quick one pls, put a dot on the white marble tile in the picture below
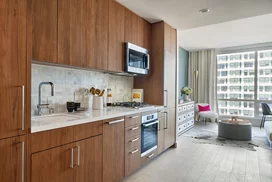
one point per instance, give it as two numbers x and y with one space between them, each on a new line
67 81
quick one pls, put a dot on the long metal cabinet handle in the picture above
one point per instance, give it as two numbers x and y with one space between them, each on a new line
23 107
134 151
117 121
166 120
134 140
23 161
166 98
134 128
133 117
72 158
78 155
150 155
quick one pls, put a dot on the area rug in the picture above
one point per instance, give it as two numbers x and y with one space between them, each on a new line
209 136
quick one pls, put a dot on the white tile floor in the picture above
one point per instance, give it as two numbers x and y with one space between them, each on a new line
206 163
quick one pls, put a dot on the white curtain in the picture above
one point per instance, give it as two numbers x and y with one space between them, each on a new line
204 87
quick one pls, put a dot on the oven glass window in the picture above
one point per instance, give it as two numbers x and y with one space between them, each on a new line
137 59
149 136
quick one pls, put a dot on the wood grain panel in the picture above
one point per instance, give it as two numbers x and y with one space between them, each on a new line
132 131
52 138
170 128
116 37
133 142
153 84
134 119
132 160
13 66
11 159
45 30
147 35
72 32
113 151
87 130
52 165
131 27
97 33
90 167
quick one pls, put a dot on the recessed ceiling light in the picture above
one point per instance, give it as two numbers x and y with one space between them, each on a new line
204 10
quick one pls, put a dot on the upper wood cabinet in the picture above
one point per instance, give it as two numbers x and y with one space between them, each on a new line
72 32
45 30
160 85
97 33
113 150
13 159
13 67
80 161
116 37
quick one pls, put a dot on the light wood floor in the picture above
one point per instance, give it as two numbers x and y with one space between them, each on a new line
206 163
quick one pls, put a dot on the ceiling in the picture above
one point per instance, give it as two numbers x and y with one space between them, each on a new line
246 31
215 29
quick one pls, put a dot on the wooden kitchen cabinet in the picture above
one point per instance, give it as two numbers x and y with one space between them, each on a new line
116 31
170 128
80 161
113 150
161 132
97 34
13 68
13 159
45 30
72 32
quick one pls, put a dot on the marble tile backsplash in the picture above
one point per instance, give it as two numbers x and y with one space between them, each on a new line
67 81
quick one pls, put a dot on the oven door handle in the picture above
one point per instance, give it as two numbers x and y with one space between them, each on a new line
149 124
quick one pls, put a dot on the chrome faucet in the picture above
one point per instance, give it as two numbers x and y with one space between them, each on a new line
40 105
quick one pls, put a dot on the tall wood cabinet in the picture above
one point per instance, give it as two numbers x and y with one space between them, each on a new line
113 149
160 85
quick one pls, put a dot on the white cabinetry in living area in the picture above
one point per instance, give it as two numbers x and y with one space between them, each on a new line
185 118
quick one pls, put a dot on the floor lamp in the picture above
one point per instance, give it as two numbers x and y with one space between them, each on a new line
196 89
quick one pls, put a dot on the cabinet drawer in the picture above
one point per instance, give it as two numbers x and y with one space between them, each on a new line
132 131
132 160
188 107
182 118
149 156
180 109
192 106
132 120
184 108
87 130
133 142
190 114
182 127
190 123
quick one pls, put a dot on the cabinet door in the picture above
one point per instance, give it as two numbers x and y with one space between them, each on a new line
88 160
13 66
113 150
45 30
131 27
169 79
170 128
116 37
12 159
54 165
72 38
147 35
97 33
161 134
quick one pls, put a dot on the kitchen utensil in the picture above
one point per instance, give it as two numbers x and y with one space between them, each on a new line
97 102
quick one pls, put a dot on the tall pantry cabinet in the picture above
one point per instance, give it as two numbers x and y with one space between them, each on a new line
13 89
160 85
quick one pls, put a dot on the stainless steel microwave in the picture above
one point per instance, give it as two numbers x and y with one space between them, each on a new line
136 59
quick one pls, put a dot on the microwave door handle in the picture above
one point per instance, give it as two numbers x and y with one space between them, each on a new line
148 61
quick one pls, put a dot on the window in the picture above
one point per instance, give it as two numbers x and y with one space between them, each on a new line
242 87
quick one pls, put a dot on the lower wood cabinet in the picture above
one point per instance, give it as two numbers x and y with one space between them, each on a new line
166 133
113 149
79 161
13 159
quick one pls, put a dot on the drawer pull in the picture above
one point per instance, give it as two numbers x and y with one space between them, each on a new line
133 117
117 121
135 128
134 151
134 140
72 158
23 107
150 155
78 155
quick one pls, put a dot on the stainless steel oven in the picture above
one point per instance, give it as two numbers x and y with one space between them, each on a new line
136 59
149 133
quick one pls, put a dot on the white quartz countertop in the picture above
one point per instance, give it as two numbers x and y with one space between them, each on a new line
60 120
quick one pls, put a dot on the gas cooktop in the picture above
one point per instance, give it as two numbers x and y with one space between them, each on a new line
134 105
